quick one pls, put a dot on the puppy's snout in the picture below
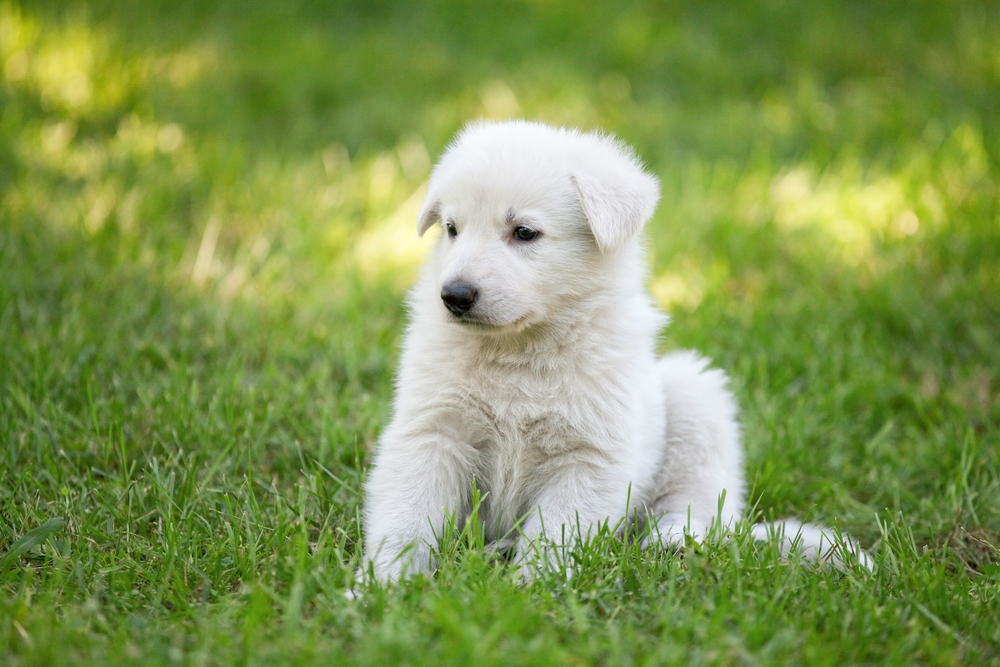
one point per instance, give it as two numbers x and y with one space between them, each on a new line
459 297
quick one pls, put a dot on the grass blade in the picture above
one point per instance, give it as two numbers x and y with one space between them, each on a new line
32 538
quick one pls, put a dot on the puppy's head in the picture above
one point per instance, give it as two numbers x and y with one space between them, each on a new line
533 219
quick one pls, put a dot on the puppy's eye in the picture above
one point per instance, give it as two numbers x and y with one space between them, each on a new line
450 228
523 233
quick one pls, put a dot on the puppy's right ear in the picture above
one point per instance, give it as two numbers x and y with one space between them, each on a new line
617 203
617 195
430 214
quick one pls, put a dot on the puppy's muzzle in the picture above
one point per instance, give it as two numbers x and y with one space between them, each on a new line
459 297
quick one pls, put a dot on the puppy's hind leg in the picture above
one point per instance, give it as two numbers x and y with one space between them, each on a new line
814 543
703 457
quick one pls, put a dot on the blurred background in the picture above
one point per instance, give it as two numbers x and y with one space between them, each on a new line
208 213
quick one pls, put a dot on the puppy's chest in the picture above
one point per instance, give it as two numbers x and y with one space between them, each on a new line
521 414
511 429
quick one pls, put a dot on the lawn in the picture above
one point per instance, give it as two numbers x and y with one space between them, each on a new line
207 214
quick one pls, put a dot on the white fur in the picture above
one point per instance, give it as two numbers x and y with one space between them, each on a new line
548 392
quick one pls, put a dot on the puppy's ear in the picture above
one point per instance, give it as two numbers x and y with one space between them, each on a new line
430 213
617 198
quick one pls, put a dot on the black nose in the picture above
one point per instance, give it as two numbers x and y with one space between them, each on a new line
459 297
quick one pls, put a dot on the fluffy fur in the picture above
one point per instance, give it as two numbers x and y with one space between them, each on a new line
529 365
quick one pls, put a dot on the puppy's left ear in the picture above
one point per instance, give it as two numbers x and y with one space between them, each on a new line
617 196
430 213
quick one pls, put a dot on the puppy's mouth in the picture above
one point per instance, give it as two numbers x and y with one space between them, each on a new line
472 320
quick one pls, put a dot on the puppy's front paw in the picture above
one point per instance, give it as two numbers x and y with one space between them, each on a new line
391 564
542 557
502 550
667 533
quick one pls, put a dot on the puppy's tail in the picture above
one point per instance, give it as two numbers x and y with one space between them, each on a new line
817 544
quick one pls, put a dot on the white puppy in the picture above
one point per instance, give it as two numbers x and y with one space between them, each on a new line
530 368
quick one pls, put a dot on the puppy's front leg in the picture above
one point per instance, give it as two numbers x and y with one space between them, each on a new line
573 502
414 485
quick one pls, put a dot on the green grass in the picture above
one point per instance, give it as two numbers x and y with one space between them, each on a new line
200 321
